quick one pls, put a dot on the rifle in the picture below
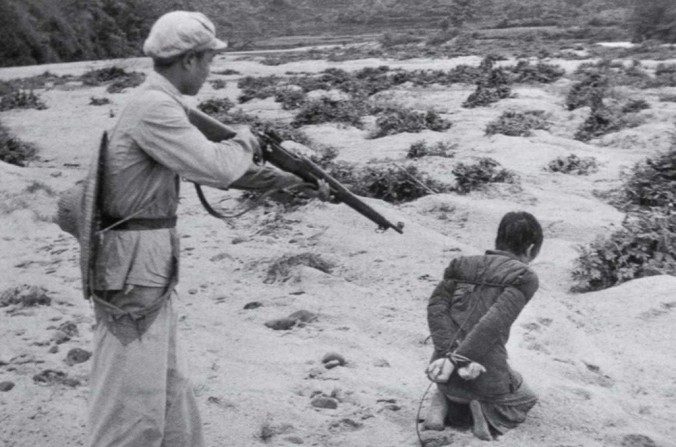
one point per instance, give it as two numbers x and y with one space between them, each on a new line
297 164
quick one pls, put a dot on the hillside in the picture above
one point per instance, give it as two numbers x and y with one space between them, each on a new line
599 361
41 31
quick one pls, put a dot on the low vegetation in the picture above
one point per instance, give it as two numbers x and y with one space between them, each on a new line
572 164
643 246
469 177
119 78
421 149
21 99
519 124
397 120
491 88
324 110
216 106
525 72
13 150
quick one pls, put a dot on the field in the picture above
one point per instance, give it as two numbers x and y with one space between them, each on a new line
599 361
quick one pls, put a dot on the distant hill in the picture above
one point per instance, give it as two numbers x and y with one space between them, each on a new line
39 31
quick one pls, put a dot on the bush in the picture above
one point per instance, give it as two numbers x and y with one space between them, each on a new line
635 105
120 78
259 87
95 101
665 76
594 84
15 151
602 120
518 124
524 72
289 98
394 121
324 110
421 149
394 184
652 183
21 100
131 80
216 106
642 247
469 177
492 88
572 164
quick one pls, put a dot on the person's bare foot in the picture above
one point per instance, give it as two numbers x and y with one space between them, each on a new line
436 413
479 426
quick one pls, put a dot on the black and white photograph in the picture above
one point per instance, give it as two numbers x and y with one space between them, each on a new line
337 223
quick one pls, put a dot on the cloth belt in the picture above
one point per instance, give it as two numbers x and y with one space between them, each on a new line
138 224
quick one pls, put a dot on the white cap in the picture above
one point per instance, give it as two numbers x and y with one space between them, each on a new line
177 32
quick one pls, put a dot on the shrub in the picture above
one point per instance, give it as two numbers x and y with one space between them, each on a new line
216 106
226 72
131 80
667 98
15 151
572 164
524 72
102 75
665 76
652 182
395 184
642 247
469 177
21 100
289 98
218 84
463 74
421 149
493 87
393 121
516 124
259 87
635 105
95 101
325 110
581 94
601 120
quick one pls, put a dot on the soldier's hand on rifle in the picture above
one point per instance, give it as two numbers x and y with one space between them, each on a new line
440 370
249 142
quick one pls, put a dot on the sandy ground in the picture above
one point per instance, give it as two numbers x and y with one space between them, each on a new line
603 363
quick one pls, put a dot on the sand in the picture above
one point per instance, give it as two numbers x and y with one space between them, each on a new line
602 363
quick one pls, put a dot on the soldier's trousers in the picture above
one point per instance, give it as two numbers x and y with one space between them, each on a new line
140 396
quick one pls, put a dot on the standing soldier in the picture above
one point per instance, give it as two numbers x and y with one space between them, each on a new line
140 395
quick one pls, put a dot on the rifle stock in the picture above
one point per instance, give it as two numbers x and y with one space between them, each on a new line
301 166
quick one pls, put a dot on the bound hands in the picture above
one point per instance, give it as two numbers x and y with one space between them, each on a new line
440 370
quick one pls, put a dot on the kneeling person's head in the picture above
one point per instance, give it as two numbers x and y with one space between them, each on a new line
520 233
182 45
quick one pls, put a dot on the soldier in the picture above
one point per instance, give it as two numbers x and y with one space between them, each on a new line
140 395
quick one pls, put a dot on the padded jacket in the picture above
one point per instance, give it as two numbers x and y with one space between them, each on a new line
471 312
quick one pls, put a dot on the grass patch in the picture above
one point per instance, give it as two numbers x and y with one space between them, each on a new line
492 87
216 106
525 72
421 149
324 110
96 101
470 177
14 151
119 78
21 99
518 124
572 164
397 120
652 183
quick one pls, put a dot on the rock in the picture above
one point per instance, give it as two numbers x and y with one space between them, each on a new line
69 328
347 423
77 355
26 296
6 386
333 357
192 291
332 364
60 337
381 363
294 440
324 402
54 377
54 349
281 324
304 316
393 407
252 305
637 440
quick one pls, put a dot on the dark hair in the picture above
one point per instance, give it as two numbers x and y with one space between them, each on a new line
517 231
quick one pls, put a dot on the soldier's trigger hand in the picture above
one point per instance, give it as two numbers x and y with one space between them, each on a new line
249 143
